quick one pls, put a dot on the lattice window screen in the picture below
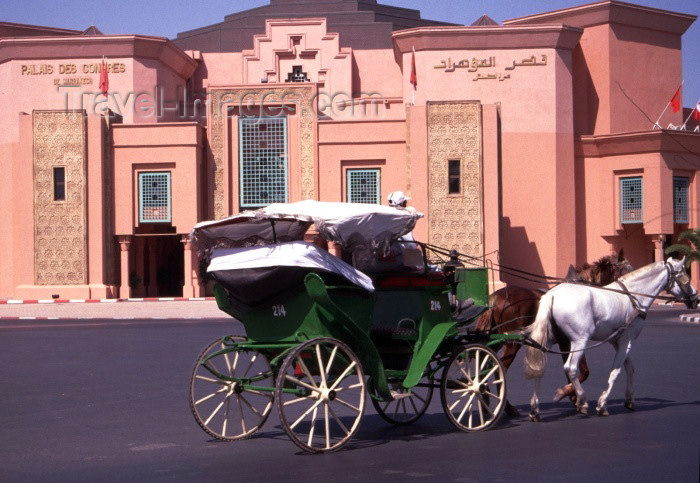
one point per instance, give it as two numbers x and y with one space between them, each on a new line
263 161
363 186
680 199
631 200
154 198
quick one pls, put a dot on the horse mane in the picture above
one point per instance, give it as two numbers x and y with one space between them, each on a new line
600 272
641 271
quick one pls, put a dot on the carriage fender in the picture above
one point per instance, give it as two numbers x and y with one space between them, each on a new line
419 362
358 340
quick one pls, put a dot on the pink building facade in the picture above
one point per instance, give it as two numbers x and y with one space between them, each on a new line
520 142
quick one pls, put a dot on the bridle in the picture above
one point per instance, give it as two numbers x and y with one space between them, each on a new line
682 280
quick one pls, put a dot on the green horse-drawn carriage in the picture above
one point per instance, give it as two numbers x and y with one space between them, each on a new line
322 334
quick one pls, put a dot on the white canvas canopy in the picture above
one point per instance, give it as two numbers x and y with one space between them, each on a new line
352 225
297 254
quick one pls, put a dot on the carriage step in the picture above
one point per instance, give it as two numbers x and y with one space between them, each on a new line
394 333
400 395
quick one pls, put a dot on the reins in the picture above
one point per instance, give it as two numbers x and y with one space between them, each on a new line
637 312
538 278
527 340
515 272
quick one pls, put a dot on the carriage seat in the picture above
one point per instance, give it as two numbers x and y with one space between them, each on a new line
466 312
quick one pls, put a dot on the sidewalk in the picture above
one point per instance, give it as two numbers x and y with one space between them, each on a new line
123 309
184 309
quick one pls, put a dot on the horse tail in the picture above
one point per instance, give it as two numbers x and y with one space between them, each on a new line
541 332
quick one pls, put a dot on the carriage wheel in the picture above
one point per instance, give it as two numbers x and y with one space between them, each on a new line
226 409
473 388
408 405
320 394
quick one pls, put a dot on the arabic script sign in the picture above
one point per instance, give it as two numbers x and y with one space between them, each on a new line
475 64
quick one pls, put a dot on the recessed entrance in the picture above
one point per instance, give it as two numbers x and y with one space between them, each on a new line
158 266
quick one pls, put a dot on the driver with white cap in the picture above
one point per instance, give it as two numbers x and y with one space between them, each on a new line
411 253
398 199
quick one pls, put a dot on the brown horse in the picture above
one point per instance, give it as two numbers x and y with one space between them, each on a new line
514 307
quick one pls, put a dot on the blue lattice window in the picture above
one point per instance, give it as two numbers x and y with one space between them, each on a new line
263 161
680 199
154 197
363 186
631 200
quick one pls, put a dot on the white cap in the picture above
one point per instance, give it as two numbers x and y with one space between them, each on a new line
397 197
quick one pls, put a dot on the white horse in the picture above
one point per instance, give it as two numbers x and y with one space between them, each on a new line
614 313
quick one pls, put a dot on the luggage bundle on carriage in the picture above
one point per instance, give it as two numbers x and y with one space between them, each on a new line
322 333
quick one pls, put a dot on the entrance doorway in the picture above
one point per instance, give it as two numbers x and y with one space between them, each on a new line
159 266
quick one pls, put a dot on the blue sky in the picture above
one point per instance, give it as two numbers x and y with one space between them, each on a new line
168 17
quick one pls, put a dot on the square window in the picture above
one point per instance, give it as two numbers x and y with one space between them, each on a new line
363 186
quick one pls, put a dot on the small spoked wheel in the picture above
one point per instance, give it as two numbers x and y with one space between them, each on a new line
408 405
320 394
231 391
473 388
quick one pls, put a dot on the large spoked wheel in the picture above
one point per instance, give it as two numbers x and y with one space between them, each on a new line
408 405
231 392
473 388
320 395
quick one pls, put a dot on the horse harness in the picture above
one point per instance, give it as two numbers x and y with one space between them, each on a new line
638 311
641 313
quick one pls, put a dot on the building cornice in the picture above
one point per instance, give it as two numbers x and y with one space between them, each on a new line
657 141
612 12
38 28
109 46
490 37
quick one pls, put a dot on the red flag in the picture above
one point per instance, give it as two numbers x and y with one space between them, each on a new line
414 77
676 101
104 79
696 112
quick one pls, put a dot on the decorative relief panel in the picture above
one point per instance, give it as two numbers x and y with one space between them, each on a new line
456 220
300 98
60 243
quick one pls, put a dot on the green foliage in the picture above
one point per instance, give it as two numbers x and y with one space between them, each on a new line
690 249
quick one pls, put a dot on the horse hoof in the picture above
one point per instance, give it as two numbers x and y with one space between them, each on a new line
535 418
603 412
559 395
583 410
629 405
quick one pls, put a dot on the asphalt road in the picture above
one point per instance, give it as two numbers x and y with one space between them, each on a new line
90 400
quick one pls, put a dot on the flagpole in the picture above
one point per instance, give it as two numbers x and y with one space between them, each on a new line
656 124
691 113
413 73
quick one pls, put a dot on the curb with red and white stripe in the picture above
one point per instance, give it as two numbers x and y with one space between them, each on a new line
690 318
103 301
